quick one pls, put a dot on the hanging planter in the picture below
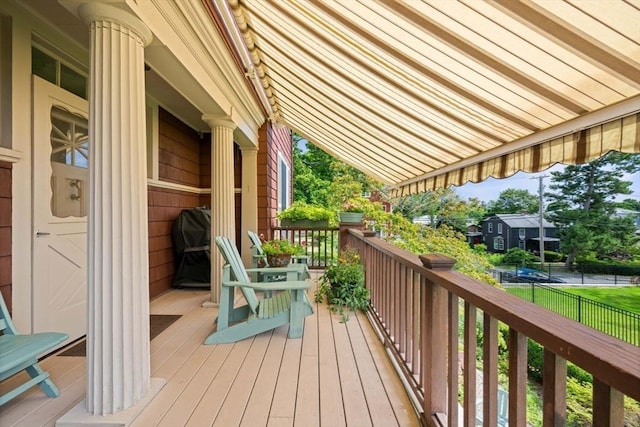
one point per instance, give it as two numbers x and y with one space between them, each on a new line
301 215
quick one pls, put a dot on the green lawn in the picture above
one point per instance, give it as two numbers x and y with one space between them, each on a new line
578 308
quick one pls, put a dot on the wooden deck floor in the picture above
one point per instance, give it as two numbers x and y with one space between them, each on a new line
338 374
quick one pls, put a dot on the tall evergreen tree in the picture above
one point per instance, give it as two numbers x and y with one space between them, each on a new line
582 206
513 201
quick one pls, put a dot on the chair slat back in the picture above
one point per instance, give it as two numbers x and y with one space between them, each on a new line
256 242
6 324
232 258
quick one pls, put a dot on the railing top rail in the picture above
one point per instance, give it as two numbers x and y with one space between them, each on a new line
614 361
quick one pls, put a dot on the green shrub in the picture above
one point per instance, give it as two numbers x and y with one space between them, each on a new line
551 256
520 257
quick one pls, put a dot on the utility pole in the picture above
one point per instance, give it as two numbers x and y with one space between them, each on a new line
541 217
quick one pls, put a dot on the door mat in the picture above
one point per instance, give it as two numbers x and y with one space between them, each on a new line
157 324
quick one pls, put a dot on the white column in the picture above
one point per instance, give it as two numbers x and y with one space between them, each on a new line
249 196
222 195
118 357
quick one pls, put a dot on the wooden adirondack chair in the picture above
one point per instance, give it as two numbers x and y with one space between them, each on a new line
289 303
259 255
20 352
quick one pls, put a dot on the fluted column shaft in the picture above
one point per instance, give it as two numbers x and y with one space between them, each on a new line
249 199
118 357
222 193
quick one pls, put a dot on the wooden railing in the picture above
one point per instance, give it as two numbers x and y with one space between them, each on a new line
415 304
321 244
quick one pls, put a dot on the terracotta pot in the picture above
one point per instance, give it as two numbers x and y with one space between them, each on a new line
280 260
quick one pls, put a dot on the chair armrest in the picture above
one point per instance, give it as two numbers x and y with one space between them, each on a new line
272 286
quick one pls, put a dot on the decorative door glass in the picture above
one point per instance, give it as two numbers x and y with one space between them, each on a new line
69 163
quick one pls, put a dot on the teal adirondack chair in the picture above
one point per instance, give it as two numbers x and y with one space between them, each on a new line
288 304
20 352
259 255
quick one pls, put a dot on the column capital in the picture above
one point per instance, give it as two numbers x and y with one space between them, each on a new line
215 120
249 150
92 11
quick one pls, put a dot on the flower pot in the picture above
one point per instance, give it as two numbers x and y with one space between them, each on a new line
351 217
280 260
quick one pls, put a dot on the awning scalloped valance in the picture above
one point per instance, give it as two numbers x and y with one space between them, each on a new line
580 147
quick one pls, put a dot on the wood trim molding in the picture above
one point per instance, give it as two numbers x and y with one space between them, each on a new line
9 155
180 187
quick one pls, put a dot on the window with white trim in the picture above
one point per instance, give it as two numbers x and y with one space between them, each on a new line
284 177
47 66
522 233
490 227
498 243
499 228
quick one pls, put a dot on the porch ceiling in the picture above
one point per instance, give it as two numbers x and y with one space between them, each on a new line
423 94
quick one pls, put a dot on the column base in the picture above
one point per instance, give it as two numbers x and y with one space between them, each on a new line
78 415
209 304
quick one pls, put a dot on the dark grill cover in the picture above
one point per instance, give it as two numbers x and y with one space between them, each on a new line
191 240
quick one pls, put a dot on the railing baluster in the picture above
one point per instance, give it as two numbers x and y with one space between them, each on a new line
554 386
470 350
517 379
608 405
452 401
490 370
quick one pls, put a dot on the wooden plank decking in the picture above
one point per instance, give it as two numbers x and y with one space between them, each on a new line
338 374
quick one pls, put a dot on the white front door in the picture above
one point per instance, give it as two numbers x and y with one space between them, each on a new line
60 191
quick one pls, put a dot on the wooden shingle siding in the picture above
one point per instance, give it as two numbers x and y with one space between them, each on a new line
271 141
179 151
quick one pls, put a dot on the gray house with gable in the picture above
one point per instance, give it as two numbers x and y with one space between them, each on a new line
502 232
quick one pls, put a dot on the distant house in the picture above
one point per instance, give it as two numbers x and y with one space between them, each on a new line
474 235
502 232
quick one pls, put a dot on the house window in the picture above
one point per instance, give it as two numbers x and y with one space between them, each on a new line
499 228
521 233
60 74
284 174
498 243
490 227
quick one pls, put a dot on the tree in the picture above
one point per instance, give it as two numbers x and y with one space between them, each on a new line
513 201
582 206
312 173
443 206
320 179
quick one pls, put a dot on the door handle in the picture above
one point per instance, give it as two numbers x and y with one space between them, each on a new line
41 233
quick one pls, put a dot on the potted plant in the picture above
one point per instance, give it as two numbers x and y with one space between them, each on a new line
279 252
342 284
300 214
352 211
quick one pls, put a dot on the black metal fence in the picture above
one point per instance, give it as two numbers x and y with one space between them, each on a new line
614 321
585 274
321 244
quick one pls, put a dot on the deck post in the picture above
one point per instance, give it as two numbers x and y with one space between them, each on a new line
435 338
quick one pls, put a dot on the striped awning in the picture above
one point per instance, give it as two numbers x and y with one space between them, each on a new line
425 94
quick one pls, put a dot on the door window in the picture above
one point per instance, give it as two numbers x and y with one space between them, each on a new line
69 163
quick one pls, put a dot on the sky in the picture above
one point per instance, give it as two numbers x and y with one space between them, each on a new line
491 188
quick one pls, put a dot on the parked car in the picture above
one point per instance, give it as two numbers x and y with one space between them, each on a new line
529 275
